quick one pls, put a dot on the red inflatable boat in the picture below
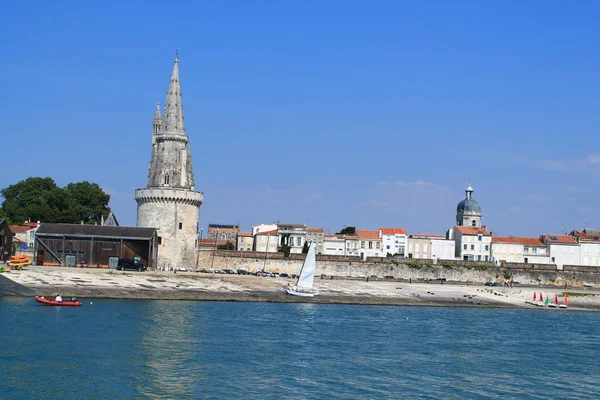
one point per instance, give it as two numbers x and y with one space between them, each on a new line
57 303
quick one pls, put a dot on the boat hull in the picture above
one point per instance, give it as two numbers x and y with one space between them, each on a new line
48 302
301 294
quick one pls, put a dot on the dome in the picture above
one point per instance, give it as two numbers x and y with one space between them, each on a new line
468 206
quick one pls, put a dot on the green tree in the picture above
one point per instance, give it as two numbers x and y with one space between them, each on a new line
40 199
91 201
349 230
226 246
305 248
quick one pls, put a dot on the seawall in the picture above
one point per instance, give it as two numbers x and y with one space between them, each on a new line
417 270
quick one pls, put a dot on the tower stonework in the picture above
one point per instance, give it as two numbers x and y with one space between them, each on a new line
170 202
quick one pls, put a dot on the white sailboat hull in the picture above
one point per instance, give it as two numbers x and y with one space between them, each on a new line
301 294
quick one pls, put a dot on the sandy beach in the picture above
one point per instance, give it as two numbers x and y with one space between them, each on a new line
102 283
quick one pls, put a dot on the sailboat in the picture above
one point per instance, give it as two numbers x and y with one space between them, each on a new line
565 302
547 301
541 302
304 284
555 304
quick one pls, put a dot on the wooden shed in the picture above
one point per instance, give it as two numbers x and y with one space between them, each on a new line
93 245
6 239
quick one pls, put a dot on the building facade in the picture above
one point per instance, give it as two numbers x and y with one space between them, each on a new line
472 243
266 241
245 241
170 202
507 249
316 236
393 240
369 244
223 233
293 235
562 250
333 245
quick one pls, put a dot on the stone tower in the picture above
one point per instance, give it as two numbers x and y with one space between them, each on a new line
170 202
468 211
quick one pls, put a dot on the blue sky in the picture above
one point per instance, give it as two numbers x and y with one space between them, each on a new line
330 113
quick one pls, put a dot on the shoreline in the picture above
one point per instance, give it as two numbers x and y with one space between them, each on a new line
162 285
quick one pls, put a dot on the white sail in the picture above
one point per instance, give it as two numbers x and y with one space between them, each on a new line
307 273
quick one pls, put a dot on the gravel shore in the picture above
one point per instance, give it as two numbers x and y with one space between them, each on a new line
102 283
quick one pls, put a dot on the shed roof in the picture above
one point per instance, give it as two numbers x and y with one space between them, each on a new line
130 232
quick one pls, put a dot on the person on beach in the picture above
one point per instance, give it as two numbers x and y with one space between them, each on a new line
58 298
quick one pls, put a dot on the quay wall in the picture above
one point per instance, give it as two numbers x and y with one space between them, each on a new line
417 270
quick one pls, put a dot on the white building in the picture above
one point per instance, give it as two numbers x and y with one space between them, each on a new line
333 245
245 241
562 250
393 240
351 245
263 228
266 241
316 236
589 246
293 235
430 246
506 249
471 243
369 244
534 250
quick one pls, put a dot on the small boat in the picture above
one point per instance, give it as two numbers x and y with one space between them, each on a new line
565 302
304 284
64 303
555 304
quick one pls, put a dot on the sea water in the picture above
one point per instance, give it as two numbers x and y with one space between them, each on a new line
122 349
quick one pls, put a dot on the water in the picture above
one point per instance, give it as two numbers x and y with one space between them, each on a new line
122 349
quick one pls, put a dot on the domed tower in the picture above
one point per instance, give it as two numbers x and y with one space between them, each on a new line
170 202
468 211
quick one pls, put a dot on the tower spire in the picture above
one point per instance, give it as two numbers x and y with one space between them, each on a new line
172 120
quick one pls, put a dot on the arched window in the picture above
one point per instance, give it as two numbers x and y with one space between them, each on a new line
166 179
474 223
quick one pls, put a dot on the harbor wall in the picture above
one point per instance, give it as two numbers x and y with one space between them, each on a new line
417 270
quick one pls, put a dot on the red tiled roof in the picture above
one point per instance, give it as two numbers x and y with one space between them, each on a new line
503 240
314 229
586 237
245 234
336 235
392 231
472 230
273 232
207 241
366 234
558 239
18 228
529 242
351 237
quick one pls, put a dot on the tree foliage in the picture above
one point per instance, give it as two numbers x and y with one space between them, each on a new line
226 246
40 199
305 248
349 230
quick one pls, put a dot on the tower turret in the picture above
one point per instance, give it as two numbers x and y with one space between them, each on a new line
468 211
170 202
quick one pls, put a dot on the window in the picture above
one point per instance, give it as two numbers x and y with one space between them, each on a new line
553 260
487 247
180 225
362 244
299 241
464 246
378 245
387 247
472 247
479 257
479 237
486 258
370 245
473 223
166 179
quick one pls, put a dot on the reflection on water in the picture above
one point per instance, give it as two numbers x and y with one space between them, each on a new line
167 349
161 349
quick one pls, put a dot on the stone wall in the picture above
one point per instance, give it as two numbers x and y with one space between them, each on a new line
417 270
165 209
